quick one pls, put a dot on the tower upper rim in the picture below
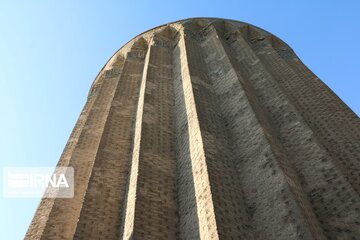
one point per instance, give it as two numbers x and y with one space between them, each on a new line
181 21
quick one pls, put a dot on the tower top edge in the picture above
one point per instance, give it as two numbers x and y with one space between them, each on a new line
178 24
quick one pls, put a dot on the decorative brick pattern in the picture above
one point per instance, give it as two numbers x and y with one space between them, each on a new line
208 129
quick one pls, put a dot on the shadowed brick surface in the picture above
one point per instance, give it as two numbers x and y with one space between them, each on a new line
208 129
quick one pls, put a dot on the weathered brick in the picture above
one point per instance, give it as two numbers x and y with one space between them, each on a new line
208 129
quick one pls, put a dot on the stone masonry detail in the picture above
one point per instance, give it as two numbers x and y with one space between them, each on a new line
208 128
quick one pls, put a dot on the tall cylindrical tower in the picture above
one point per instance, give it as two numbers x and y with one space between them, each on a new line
208 129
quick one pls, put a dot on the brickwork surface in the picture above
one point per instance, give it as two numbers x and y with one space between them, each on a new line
208 129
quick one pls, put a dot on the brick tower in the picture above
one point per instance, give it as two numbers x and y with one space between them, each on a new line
208 129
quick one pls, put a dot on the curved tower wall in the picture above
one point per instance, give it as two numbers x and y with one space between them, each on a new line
208 129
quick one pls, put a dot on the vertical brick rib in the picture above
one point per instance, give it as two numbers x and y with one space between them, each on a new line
270 97
187 206
259 153
155 203
196 213
304 151
129 214
105 195
65 212
215 131
228 201
40 218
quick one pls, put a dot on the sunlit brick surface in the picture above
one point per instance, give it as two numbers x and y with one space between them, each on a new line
208 129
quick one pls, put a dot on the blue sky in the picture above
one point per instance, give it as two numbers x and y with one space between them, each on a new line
51 51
